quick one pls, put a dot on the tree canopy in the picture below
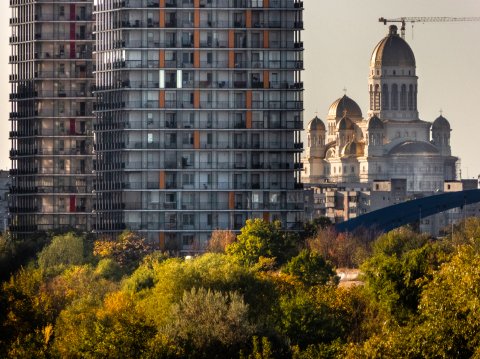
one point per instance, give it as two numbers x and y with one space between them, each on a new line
268 295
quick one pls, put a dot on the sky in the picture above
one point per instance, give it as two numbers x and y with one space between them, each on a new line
339 38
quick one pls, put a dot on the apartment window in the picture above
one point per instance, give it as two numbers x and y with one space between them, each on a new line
187 78
187 138
170 197
171 120
170 56
187 239
171 39
274 197
187 160
188 179
187 39
188 219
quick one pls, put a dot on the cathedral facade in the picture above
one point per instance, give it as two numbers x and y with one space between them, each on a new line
391 141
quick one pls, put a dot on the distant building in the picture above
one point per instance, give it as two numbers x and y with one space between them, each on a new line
354 165
341 201
442 221
392 142
51 115
198 117
5 183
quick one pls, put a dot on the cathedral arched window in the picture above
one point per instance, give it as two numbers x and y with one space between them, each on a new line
385 97
410 97
403 98
371 97
320 141
394 97
377 97
309 143
415 99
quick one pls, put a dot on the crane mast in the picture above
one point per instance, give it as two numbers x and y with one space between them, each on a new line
404 20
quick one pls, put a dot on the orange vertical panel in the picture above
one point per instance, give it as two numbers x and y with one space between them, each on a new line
161 99
161 180
266 217
266 79
231 200
161 21
249 99
161 59
196 59
266 39
231 39
161 241
249 119
196 4
196 16
248 18
196 99
196 140
266 3
162 3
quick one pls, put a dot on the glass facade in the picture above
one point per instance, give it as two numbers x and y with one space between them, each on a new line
51 115
198 116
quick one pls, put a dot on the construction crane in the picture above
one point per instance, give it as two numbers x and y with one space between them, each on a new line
404 20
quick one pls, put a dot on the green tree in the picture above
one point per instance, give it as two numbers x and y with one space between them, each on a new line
402 264
17 253
127 250
24 313
64 250
162 284
112 328
210 324
450 309
310 317
311 228
310 268
259 238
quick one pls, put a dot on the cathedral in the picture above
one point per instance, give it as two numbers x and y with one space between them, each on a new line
391 141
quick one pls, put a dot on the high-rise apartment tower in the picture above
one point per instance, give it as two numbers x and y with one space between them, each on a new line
51 115
198 116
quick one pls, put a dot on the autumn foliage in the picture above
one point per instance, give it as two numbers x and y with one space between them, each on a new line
264 293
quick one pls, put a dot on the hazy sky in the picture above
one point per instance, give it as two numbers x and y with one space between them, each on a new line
339 38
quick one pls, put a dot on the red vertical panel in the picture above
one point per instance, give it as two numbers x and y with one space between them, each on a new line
72 12
72 126
72 204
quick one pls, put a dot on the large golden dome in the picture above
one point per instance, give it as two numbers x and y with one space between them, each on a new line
392 50
344 106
